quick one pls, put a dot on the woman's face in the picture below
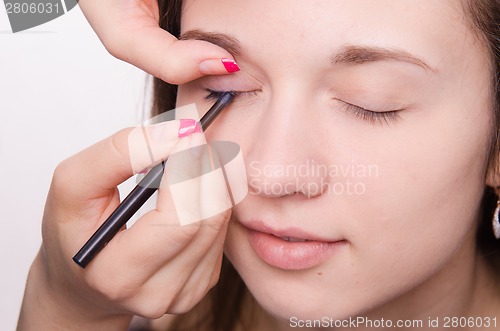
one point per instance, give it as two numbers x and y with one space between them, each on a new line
365 129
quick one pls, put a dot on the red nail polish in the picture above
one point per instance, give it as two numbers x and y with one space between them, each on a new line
230 65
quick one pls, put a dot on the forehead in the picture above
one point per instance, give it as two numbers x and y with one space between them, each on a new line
426 27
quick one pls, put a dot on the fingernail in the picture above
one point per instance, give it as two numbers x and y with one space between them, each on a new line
230 65
144 171
198 128
188 127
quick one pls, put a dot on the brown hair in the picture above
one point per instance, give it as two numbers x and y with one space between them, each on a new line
221 308
484 17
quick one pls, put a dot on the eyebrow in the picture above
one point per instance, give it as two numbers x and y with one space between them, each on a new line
229 43
350 54
363 54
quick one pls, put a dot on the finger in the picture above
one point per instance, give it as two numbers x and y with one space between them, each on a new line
162 228
133 255
196 280
149 245
96 171
130 32
176 61
184 165
209 264
195 183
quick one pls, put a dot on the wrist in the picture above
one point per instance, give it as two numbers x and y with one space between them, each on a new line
46 309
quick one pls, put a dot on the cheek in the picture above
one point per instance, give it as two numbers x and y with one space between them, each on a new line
432 174
411 219
427 198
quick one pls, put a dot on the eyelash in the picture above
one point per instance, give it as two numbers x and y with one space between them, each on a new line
214 95
370 116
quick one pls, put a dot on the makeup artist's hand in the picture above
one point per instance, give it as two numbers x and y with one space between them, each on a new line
130 31
154 267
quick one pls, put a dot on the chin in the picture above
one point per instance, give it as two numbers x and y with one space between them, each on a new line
312 293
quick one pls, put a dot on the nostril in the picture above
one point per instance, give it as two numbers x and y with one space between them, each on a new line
305 195
285 190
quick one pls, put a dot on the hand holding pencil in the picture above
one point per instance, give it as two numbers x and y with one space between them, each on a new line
146 270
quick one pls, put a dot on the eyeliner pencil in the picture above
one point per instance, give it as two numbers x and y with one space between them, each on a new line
138 196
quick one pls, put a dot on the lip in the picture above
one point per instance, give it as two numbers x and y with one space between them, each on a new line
289 255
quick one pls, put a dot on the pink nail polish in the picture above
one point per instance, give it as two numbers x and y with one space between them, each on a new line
197 128
144 171
188 127
230 65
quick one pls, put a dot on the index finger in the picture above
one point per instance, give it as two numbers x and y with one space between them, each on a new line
177 61
97 170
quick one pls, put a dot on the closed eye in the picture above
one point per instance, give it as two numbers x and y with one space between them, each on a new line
373 117
213 94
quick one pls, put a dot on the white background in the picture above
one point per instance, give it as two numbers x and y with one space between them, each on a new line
60 91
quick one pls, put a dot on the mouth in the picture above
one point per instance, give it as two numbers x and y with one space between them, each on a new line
291 239
291 248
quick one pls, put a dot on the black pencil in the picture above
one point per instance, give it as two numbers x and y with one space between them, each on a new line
137 197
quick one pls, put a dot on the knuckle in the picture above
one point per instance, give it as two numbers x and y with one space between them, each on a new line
113 49
152 303
112 288
186 303
63 173
152 314
218 222
149 310
145 253
171 71
114 44
119 142
60 172
187 232
190 297
214 279
184 234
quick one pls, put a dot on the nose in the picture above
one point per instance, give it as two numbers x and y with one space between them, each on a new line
289 155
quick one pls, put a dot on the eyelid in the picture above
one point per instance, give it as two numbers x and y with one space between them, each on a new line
371 116
372 109
239 81
388 108
214 94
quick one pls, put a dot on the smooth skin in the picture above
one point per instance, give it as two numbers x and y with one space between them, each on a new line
411 246
411 250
